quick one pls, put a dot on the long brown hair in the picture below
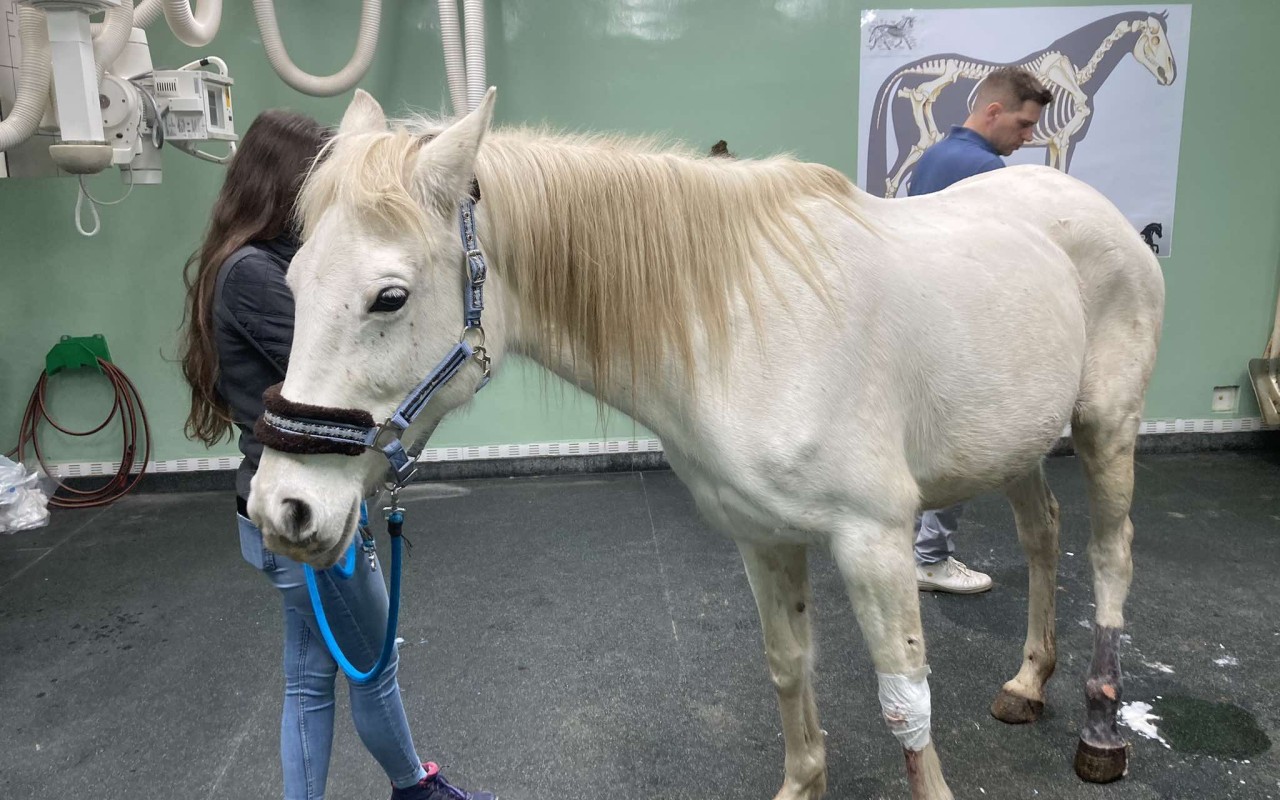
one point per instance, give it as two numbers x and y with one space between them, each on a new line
256 203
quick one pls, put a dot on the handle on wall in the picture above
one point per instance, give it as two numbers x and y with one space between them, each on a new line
1273 344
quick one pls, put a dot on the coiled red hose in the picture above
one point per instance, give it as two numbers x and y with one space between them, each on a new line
128 405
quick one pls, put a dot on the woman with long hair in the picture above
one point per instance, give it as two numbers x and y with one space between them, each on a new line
239 328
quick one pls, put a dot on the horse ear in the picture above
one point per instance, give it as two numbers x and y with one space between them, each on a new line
446 164
364 115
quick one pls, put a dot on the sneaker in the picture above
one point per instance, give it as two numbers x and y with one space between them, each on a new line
951 576
435 787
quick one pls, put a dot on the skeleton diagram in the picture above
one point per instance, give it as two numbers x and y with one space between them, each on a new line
941 88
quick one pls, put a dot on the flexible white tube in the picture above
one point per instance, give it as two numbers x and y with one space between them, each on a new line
147 12
34 81
474 21
454 66
343 79
109 43
193 30
214 60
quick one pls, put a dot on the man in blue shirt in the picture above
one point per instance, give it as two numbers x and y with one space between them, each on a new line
1005 112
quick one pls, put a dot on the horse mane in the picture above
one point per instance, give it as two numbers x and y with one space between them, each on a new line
620 247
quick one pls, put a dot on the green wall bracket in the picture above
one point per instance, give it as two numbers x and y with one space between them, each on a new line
73 352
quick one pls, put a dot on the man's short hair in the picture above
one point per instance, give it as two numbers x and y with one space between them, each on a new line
1012 87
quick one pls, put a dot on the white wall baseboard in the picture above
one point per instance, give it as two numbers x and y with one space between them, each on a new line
77 469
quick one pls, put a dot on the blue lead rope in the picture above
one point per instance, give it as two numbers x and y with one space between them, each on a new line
394 522
348 569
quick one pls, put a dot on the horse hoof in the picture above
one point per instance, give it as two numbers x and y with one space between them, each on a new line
1101 764
1015 710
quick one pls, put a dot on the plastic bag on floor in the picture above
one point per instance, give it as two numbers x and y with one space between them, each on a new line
23 502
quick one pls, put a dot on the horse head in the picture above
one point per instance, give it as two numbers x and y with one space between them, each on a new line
377 286
1152 49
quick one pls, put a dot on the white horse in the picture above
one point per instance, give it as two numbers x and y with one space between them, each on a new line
819 364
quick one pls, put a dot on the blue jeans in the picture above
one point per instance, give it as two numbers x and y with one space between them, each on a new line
936 533
357 612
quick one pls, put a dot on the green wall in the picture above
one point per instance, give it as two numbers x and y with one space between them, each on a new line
766 76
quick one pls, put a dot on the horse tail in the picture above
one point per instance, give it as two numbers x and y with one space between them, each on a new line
878 136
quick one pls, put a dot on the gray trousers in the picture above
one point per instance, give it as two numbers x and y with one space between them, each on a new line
936 533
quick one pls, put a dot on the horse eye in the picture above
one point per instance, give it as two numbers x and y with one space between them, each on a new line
389 299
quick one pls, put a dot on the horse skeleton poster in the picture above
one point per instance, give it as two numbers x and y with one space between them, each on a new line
1116 73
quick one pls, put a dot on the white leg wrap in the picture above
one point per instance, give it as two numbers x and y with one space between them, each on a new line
904 699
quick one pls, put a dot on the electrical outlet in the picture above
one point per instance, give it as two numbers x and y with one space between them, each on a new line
1225 399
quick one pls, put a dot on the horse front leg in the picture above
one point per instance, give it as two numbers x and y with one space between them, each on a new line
1036 513
880 575
779 578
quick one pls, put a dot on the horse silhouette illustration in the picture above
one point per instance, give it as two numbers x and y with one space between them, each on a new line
1152 232
924 98
895 35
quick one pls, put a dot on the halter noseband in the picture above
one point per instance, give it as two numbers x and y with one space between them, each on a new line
301 428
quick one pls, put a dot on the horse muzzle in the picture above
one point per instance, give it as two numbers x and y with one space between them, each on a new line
299 517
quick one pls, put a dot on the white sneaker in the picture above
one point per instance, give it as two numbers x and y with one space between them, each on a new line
951 576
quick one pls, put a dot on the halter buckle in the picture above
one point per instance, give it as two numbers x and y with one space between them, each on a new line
478 351
482 357
387 433
479 276
401 466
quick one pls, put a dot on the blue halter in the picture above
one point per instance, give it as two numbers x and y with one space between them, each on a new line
320 430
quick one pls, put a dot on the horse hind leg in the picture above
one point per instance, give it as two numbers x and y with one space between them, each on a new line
1105 435
1036 511
879 571
779 578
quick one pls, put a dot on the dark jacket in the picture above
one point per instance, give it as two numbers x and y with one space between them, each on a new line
253 330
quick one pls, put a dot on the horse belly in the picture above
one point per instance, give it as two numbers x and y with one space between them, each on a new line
732 497
1002 382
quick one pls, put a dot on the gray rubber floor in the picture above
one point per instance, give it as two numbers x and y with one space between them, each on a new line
589 637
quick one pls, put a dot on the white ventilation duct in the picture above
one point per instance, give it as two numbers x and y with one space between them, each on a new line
339 82
147 12
455 67
476 86
35 79
112 36
193 30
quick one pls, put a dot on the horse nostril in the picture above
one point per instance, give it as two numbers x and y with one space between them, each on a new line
297 514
